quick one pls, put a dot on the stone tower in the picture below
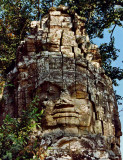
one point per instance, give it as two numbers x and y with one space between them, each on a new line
58 63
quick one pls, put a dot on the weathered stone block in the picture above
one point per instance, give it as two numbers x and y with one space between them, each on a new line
67 25
55 13
62 8
55 63
100 113
89 57
82 39
50 120
43 41
81 95
78 32
72 120
21 65
56 20
67 51
77 51
69 54
68 39
55 55
35 23
55 74
70 68
61 120
80 61
54 37
54 28
80 69
53 48
98 127
31 48
71 131
66 18
68 77
108 128
44 35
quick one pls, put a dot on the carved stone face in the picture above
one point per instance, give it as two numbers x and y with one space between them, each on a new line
65 106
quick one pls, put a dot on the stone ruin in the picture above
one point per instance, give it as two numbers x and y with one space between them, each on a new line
58 63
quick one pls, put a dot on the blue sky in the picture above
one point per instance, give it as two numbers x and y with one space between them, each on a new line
119 44
118 33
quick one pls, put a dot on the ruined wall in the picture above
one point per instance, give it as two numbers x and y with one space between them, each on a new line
58 63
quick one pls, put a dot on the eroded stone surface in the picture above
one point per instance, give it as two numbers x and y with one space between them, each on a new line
58 63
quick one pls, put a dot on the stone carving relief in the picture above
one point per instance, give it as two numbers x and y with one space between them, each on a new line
58 63
65 107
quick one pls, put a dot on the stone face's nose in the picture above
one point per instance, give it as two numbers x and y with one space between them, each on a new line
65 100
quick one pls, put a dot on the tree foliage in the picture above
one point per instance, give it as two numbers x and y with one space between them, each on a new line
15 17
14 21
18 139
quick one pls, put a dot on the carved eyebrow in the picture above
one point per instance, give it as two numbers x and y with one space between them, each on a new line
75 85
54 85
48 84
71 87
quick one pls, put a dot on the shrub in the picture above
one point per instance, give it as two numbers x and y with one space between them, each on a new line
17 135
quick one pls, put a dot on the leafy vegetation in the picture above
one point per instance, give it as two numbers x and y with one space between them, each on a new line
17 136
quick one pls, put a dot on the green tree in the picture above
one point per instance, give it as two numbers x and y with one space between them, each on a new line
14 23
15 135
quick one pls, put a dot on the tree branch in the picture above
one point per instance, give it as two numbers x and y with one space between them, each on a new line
112 31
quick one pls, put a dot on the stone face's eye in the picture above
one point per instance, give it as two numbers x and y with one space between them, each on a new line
48 91
53 92
52 89
72 91
73 94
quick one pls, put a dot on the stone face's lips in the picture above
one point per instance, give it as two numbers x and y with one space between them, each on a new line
65 105
63 109
65 112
